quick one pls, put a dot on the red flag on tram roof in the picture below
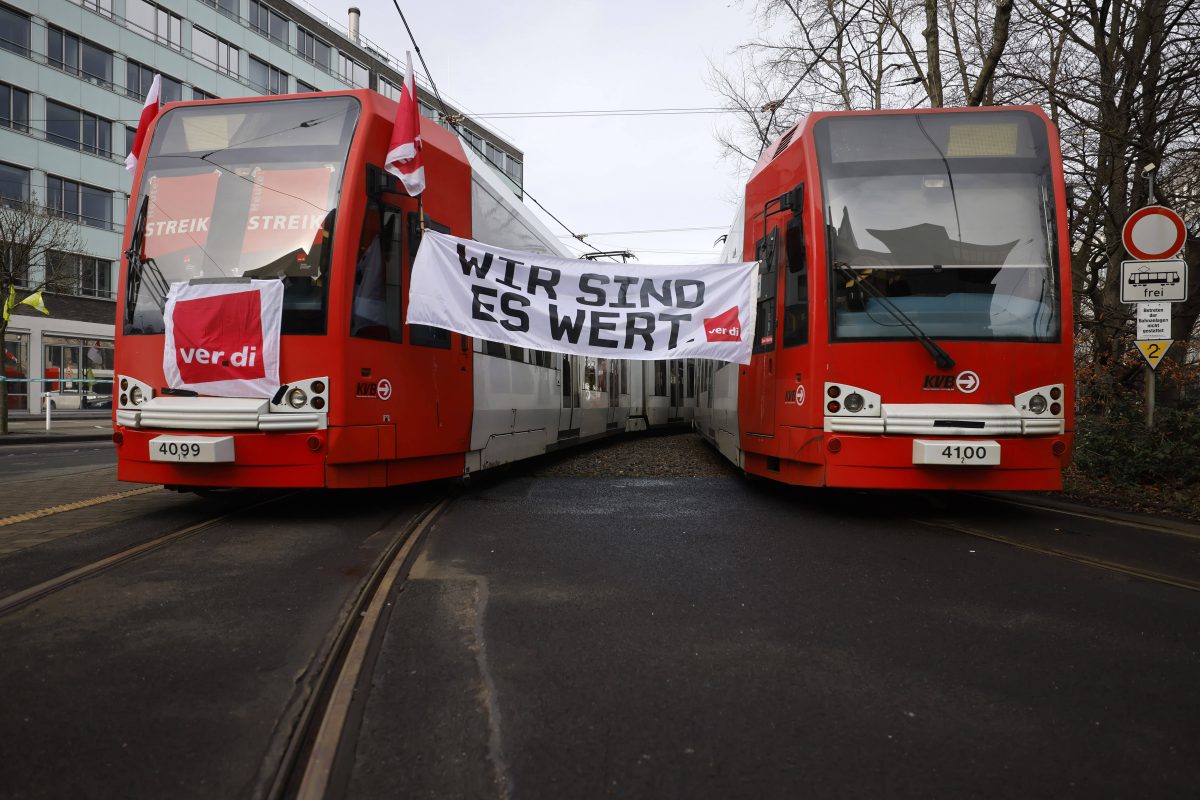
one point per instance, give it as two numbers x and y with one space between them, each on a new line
149 112
404 151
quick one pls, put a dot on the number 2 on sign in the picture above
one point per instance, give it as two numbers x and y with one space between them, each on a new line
1152 350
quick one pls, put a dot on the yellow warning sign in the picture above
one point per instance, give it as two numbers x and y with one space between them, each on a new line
1153 351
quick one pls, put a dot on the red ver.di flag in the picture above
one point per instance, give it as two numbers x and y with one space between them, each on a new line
149 112
404 150
222 339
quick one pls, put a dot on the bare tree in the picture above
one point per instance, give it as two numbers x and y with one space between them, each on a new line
33 243
858 54
1121 78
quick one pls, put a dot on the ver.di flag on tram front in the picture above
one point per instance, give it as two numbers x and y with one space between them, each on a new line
584 307
223 338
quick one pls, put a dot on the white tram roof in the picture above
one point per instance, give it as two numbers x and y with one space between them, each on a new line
498 217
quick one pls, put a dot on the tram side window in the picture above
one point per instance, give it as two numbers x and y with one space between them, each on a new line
795 287
660 379
764 326
375 313
425 335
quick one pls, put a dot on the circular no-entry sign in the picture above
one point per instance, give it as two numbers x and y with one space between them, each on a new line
1153 233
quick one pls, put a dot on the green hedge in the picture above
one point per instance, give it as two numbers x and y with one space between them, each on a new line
1118 446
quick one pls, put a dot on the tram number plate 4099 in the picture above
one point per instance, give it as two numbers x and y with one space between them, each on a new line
969 454
192 449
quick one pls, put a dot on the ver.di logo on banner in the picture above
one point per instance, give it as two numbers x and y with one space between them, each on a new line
565 305
223 338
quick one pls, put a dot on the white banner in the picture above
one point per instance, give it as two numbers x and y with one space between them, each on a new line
222 339
584 307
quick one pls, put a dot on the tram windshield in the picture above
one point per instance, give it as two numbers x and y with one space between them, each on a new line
950 216
246 190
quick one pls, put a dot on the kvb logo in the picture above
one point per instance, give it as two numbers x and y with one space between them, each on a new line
724 327
219 338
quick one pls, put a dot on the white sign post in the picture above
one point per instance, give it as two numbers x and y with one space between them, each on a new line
1154 235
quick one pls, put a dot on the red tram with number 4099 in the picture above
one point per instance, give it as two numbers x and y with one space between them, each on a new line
289 193
914 315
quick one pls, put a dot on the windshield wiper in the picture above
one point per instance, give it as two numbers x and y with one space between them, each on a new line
138 265
940 357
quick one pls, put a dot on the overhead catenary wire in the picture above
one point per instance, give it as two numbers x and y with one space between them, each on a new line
446 114
653 230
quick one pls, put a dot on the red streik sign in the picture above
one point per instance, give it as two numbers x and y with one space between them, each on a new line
219 338
287 208
179 215
724 327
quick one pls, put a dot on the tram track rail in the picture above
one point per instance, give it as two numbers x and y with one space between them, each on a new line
307 767
1094 562
19 599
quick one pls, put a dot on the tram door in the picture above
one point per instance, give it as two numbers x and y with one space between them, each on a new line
570 416
757 395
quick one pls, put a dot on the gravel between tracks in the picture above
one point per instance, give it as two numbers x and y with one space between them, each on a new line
678 455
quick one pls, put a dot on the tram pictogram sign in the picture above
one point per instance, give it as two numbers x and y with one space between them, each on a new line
1154 281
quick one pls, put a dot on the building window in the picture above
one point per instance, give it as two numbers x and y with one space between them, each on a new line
78 56
200 94
388 89
14 184
81 371
474 140
514 169
102 7
312 49
79 202
14 108
78 129
351 71
15 353
267 77
227 7
130 138
270 24
301 86
14 31
138 78
215 52
82 275
155 22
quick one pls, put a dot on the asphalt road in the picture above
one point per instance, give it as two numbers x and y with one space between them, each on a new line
181 673
712 639
54 459
593 637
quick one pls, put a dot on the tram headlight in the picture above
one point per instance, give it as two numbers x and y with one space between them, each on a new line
1037 404
296 398
854 402
136 396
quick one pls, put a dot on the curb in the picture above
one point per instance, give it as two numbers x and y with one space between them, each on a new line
17 439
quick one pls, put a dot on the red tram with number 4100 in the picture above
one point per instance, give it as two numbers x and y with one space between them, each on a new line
914 314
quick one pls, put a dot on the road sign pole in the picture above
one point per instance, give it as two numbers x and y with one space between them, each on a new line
1148 371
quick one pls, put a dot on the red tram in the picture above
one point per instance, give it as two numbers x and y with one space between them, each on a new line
292 189
914 317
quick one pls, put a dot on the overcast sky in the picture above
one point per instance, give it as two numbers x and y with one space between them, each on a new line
596 174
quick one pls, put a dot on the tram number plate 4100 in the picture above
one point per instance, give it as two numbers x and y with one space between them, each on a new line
192 449
970 454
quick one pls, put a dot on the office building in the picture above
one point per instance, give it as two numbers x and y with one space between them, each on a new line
73 79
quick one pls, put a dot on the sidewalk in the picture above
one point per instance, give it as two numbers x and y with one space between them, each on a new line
65 426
